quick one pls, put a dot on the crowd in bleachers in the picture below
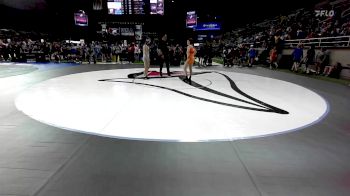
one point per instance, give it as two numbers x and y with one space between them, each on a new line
301 24
270 37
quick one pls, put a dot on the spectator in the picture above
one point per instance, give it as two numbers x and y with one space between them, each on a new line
251 54
334 70
178 54
297 55
232 57
273 57
131 53
310 58
322 59
279 44
224 56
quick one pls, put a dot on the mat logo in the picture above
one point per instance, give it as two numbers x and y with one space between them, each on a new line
324 13
248 102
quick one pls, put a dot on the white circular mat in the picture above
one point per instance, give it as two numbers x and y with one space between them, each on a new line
217 106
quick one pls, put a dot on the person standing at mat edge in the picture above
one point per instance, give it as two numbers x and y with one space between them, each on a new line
163 54
146 57
191 52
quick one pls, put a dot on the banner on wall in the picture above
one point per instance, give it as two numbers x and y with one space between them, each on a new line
81 19
138 32
208 26
191 19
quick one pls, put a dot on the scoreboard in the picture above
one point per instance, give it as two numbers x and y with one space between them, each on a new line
137 7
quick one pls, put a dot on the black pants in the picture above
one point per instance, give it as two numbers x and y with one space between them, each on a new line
92 57
161 64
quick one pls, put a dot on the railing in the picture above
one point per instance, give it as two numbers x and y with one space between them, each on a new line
336 42
327 42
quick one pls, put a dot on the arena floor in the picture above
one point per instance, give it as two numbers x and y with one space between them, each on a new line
103 130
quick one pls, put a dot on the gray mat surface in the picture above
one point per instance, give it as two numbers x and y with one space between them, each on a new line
14 70
37 159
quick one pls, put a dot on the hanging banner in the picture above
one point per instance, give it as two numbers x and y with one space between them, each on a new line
138 32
